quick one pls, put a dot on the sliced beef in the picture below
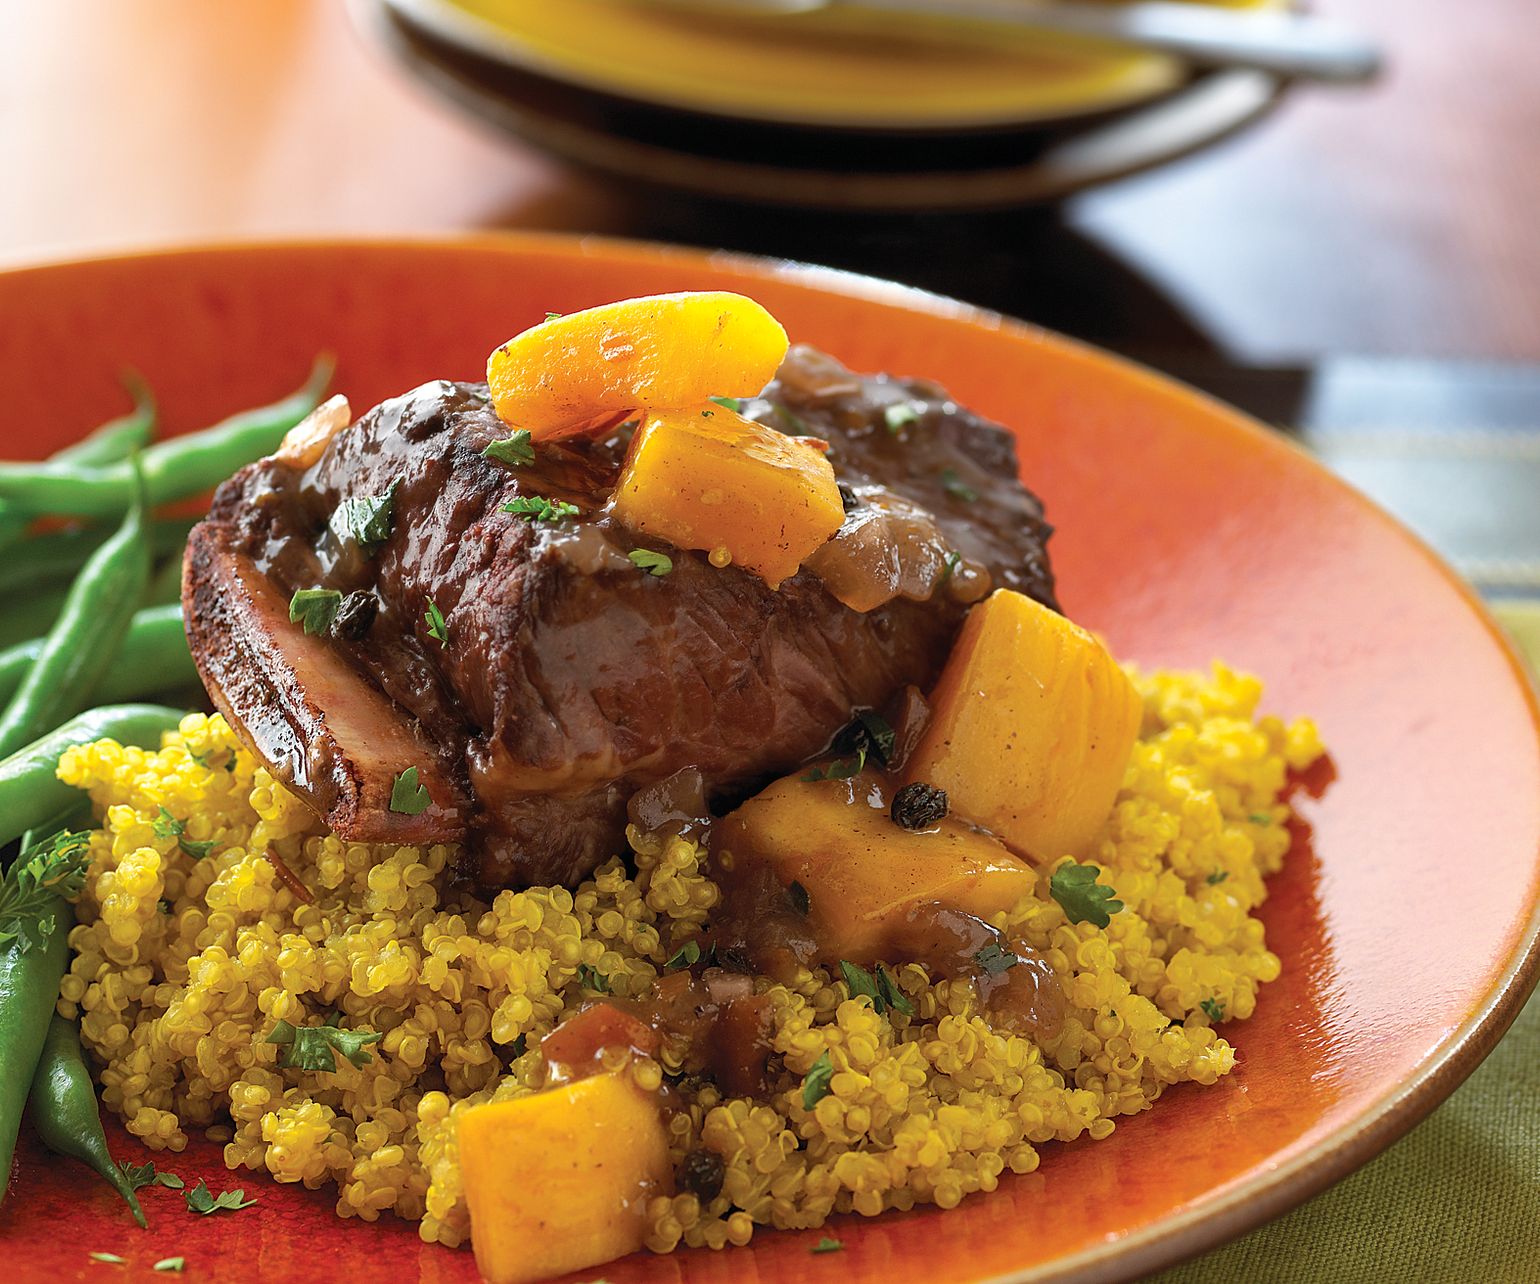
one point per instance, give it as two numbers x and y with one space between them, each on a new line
569 677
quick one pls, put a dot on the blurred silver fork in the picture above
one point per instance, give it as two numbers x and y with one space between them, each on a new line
1283 42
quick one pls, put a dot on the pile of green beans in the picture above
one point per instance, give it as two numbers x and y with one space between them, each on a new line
114 634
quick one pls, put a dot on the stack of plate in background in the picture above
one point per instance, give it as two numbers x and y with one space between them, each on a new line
830 110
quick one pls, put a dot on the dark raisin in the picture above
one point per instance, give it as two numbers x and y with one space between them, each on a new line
701 1174
800 900
355 616
732 959
918 806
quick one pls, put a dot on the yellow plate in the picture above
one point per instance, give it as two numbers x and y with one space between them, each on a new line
825 68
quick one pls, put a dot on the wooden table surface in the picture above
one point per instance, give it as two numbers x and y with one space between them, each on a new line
1398 220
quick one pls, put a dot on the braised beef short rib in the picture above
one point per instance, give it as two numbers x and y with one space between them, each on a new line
570 677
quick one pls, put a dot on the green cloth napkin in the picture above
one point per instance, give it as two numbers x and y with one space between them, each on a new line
1457 1199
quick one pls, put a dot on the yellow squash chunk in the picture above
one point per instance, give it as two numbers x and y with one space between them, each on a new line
572 372
558 1181
707 478
862 872
1030 729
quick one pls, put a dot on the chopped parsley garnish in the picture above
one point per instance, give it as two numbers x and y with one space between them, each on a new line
591 979
142 1175
1213 1009
366 521
53 868
517 450
994 958
735 404
873 730
112 1259
167 826
840 768
554 316
827 1245
163 905
646 559
956 487
315 1047
1217 877
407 796
899 416
815 1087
951 562
200 1199
197 848
687 955
880 988
1082 898
438 626
537 508
706 414
800 900
1260 818
176 1265
519 1046
315 608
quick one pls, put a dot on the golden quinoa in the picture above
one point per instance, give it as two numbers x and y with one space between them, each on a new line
185 961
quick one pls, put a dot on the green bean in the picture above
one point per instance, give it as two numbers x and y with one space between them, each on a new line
154 657
29 988
87 634
173 469
63 1107
114 440
30 790
46 558
32 612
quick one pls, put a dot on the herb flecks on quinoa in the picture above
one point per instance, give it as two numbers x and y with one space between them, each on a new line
921 1108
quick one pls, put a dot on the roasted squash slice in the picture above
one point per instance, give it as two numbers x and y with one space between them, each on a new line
1031 727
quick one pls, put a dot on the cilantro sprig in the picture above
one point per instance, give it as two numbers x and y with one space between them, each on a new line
314 608
815 1085
168 826
32 887
880 987
994 958
315 1047
1082 898
139 1176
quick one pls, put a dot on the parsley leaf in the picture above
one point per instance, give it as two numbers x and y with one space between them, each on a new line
553 316
315 608
519 1046
315 1047
1260 818
951 561
202 1200
872 730
537 508
687 955
408 797
141 1175
438 626
994 958
1217 877
197 848
840 768
827 1245
367 521
112 1259
956 487
1213 1009
815 1087
174 1264
31 887
735 404
862 985
653 563
1083 899
167 826
899 416
591 979
895 998
516 450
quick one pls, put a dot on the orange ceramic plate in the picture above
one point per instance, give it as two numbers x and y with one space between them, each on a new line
1406 917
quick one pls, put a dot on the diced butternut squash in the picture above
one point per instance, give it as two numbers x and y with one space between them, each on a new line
559 1181
1030 729
707 478
862 872
571 372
